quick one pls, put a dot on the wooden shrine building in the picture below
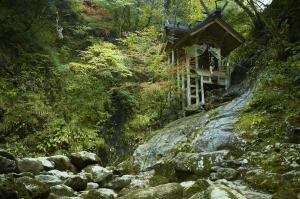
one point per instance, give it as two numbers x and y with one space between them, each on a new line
199 55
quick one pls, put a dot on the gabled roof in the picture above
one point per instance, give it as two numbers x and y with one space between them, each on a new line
212 30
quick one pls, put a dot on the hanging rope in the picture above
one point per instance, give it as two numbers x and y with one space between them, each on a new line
59 28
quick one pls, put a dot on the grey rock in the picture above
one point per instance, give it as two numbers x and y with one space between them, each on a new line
50 180
216 140
35 188
171 190
199 163
83 159
119 182
62 190
92 185
31 165
217 134
99 174
63 175
101 193
222 192
47 164
264 180
206 131
139 184
62 163
224 173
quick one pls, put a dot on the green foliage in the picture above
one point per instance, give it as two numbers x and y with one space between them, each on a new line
274 107
102 59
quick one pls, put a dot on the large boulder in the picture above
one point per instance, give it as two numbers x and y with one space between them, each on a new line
47 164
62 163
223 173
7 165
119 182
49 180
7 162
216 139
293 178
61 191
31 165
101 193
199 163
63 175
11 189
171 190
99 174
219 191
92 185
36 189
76 182
192 187
264 180
83 159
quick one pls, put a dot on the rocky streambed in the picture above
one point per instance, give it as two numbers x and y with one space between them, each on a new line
197 157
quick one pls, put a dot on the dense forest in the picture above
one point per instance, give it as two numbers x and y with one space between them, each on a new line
91 75
87 74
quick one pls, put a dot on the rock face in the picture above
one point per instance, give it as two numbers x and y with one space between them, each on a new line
83 159
171 190
217 132
204 132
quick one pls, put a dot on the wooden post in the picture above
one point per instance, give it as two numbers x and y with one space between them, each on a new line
188 86
178 71
228 73
202 91
197 78
183 72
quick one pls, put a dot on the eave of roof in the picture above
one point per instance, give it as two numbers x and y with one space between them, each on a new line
208 22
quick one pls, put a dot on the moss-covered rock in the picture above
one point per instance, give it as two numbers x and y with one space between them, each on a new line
166 191
199 163
285 193
35 188
10 188
221 191
263 180
101 193
198 186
